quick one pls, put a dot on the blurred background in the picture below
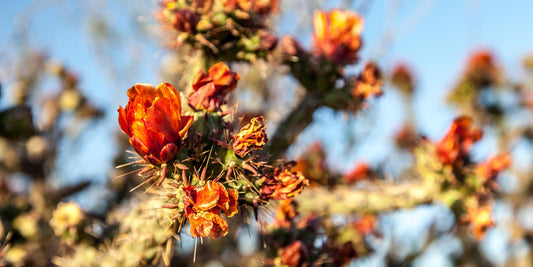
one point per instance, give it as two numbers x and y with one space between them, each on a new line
110 45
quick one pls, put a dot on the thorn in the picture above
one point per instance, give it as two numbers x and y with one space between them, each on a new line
202 176
195 245
184 177
141 184
250 168
181 166
163 174
144 170
228 174
219 142
170 206
225 113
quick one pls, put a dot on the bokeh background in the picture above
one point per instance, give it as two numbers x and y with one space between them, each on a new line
111 45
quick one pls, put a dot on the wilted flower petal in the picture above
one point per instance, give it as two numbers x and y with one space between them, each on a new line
251 137
210 88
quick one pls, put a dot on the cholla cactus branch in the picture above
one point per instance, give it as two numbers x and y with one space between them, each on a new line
379 197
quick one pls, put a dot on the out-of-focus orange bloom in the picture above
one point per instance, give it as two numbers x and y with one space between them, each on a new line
291 47
402 78
365 225
493 166
268 40
294 255
290 184
482 69
286 212
203 206
312 164
283 184
480 220
251 137
337 35
342 254
406 137
457 142
185 20
260 7
368 83
210 88
153 121
360 172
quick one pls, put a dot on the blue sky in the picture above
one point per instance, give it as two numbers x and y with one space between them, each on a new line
433 37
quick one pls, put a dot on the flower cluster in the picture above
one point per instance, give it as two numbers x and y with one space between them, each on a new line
321 69
204 169
232 29
294 238
466 186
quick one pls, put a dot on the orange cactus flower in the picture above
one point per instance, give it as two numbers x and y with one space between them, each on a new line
366 224
337 35
294 255
312 164
361 172
458 140
480 220
251 137
368 83
482 69
285 214
402 78
406 137
291 184
210 88
493 166
283 184
153 121
203 206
